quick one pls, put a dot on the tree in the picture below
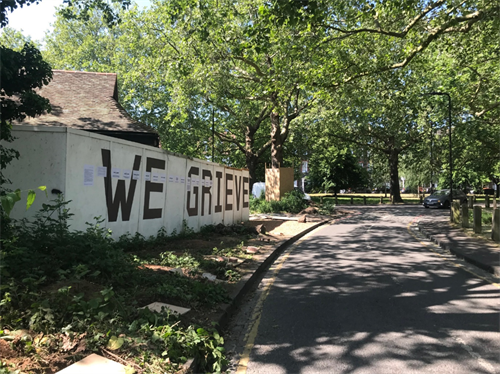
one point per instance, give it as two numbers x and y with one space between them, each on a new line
381 116
215 61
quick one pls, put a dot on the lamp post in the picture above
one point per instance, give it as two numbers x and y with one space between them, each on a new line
450 143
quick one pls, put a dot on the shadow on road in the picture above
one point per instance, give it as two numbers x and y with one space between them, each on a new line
371 295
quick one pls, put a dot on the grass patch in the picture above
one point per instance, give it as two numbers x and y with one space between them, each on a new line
486 216
345 199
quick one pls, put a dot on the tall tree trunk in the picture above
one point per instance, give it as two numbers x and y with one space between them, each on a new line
276 141
394 171
252 162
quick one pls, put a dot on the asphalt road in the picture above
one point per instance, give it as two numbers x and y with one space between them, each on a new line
364 295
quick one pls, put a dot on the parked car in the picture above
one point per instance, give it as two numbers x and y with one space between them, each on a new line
441 198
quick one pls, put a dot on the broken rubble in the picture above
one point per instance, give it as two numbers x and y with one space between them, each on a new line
177 271
157 307
209 276
252 250
95 364
261 229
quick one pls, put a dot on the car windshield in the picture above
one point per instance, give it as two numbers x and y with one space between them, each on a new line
441 193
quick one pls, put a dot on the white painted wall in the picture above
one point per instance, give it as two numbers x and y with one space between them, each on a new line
57 157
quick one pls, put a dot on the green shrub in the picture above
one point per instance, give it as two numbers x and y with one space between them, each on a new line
292 202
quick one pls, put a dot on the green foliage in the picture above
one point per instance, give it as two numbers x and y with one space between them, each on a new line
56 281
327 208
292 202
9 199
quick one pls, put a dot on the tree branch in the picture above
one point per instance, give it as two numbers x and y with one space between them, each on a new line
251 63
400 34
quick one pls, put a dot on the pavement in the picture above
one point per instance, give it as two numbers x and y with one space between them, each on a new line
480 252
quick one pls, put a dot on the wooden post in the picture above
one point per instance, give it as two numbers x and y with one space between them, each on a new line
495 227
471 202
487 201
381 200
465 215
494 202
478 221
352 200
364 200
421 200
455 212
336 200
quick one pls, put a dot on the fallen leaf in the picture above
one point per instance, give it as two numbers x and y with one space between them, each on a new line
115 343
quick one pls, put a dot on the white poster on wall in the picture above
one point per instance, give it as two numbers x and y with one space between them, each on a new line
101 171
88 175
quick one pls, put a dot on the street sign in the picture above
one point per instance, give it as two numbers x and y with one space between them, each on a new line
305 167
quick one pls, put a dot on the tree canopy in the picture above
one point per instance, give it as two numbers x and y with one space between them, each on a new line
243 77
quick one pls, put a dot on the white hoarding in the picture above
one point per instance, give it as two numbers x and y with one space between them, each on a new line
134 188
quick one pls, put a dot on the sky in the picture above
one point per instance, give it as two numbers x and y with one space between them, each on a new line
35 19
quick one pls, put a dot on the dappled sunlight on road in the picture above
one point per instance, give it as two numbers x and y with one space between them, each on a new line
366 295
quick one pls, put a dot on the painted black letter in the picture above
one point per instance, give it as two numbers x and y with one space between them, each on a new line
245 192
229 192
120 200
218 176
206 190
237 187
193 211
151 163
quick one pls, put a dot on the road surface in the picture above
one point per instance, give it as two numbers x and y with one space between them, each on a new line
369 295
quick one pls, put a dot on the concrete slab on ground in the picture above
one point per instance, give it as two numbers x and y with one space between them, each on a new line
95 364
156 307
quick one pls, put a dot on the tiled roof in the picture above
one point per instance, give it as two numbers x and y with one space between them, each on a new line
85 101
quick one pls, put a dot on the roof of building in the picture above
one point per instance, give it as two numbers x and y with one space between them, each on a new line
85 101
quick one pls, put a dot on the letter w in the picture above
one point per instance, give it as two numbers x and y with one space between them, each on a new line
120 199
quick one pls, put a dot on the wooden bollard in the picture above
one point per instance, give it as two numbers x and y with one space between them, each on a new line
352 200
478 219
364 200
465 215
455 212
381 199
421 200
495 227
470 201
494 202
336 200
487 201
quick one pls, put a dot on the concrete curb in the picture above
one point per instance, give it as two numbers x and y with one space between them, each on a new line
253 277
247 284
495 270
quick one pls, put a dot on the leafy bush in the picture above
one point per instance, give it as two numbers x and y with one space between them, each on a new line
57 282
292 202
327 208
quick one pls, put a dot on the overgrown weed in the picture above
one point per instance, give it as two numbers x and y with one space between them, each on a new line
60 284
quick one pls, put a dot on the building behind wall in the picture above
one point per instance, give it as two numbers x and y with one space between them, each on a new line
89 101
